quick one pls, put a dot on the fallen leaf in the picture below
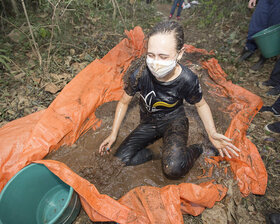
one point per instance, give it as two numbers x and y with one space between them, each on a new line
19 76
52 88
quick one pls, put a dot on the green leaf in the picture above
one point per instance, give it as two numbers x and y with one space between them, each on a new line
2 61
5 58
42 32
3 50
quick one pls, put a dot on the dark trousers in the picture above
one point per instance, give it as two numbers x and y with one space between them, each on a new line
266 14
275 74
177 158
175 3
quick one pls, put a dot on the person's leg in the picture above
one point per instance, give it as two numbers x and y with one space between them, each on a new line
274 17
259 21
274 108
173 8
132 150
275 74
273 127
177 158
179 8
276 105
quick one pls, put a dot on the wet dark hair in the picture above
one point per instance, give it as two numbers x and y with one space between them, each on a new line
160 28
169 27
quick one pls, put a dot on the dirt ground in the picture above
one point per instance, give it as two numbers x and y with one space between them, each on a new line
226 38
108 174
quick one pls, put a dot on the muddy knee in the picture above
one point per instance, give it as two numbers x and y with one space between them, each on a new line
177 162
174 169
137 158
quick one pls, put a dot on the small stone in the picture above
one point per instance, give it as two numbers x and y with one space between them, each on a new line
72 52
251 208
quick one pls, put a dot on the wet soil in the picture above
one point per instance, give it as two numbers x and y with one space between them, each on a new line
110 176
25 94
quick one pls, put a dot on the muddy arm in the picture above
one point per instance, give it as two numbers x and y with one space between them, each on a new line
119 116
120 113
221 142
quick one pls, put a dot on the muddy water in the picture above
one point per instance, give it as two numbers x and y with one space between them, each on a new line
111 177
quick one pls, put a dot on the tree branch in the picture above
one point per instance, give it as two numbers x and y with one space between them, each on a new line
32 36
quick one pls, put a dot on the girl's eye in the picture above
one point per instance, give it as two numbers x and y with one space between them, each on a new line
163 57
150 55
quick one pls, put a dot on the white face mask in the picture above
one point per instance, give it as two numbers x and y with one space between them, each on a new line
160 68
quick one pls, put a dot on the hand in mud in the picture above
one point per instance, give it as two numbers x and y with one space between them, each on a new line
252 4
106 144
224 145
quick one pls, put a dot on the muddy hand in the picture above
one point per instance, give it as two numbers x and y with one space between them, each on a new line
224 145
106 145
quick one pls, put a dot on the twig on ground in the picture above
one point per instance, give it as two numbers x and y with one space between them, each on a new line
116 3
72 45
15 64
115 9
32 36
66 8
31 45
52 32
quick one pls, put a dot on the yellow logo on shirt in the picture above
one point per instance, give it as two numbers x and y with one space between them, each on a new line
163 104
152 108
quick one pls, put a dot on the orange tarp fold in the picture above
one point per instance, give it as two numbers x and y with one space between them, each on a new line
72 113
249 168
142 204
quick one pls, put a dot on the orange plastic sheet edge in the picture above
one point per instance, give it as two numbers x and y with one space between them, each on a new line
71 114
249 168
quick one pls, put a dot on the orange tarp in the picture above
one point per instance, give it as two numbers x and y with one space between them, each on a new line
71 114
248 168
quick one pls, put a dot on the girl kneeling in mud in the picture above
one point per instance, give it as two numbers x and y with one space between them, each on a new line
163 84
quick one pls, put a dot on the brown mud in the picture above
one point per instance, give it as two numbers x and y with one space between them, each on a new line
109 175
24 92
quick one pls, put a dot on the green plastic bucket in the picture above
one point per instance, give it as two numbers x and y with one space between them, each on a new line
36 195
268 41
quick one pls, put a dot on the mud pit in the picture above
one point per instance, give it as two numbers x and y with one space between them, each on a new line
112 178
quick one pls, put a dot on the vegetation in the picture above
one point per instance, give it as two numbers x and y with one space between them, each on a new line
38 58
58 37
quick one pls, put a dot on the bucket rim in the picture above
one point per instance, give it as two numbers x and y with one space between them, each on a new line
70 194
268 30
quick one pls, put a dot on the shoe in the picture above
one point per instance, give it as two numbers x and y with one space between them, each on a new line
273 127
274 91
269 83
194 2
270 109
187 6
259 64
170 16
246 53
178 18
272 218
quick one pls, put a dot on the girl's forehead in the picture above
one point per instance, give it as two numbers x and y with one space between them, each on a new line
162 43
